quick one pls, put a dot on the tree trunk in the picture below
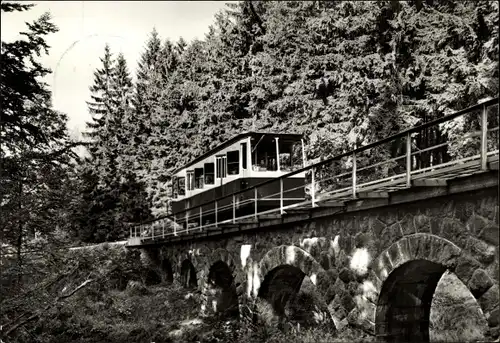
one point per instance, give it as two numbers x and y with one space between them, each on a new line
19 241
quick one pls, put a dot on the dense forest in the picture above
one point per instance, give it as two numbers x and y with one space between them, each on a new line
343 73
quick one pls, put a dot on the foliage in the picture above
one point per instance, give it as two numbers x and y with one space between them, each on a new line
110 193
36 184
342 73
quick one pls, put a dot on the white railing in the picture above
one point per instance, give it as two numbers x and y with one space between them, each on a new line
349 175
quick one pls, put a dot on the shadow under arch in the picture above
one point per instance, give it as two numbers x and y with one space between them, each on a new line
222 290
280 285
404 305
188 275
288 277
167 270
403 282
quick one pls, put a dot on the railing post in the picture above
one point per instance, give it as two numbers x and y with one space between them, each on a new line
278 167
354 175
135 229
313 187
175 225
201 217
187 221
234 209
484 139
281 195
163 228
216 223
255 201
130 231
408 160
303 154
152 231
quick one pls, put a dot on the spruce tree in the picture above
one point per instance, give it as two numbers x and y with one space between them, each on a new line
35 147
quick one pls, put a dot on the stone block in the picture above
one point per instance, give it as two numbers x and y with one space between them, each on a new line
347 301
420 245
453 230
362 239
332 275
341 260
353 317
476 223
466 266
488 207
339 286
421 223
325 260
343 323
323 282
377 227
390 235
382 267
399 253
494 332
353 288
493 271
336 304
369 290
490 234
446 254
494 319
407 226
330 293
479 283
481 250
240 289
489 300
346 275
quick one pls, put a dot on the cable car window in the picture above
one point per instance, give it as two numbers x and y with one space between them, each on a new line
198 178
221 166
209 173
244 155
190 180
182 185
233 162
175 187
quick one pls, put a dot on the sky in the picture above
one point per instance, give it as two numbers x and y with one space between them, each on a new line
86 26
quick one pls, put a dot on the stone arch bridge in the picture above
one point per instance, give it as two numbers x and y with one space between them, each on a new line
375 266
372 254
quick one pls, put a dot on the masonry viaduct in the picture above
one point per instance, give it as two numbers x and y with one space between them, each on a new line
375 265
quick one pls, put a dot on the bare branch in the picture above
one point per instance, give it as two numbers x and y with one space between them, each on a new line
37 315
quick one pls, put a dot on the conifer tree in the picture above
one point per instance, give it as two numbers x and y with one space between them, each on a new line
35 147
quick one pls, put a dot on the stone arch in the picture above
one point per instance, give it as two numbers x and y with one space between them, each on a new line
293 256
188 274
219 261
220 290
167 270
402 281
289 274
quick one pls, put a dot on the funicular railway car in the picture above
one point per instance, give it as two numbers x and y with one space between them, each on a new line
237 164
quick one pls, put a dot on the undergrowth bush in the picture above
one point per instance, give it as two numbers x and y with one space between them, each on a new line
105 310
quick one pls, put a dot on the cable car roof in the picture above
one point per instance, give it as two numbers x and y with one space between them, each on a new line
284 137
